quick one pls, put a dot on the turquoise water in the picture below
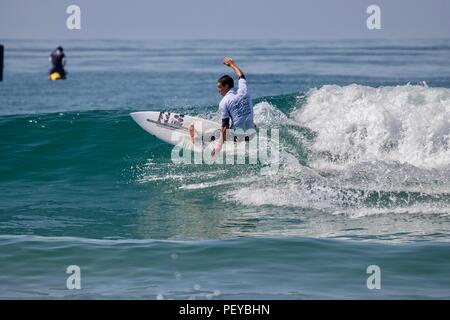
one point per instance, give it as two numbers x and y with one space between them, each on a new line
364 176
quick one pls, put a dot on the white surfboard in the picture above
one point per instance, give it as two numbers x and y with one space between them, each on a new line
173 127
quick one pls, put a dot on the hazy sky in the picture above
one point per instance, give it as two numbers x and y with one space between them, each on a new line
226 19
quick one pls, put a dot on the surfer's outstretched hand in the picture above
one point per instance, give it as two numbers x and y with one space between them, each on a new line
228 61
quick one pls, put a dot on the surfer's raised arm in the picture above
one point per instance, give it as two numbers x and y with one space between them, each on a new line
228 61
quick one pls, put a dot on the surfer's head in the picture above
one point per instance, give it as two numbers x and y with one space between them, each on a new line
224 84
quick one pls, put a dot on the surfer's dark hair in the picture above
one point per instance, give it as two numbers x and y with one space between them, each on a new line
226 80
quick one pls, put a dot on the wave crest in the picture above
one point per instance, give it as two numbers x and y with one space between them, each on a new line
356 123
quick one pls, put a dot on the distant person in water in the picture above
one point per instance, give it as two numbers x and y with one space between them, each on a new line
58 60
236 108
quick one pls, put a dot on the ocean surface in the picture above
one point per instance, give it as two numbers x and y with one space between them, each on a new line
363 179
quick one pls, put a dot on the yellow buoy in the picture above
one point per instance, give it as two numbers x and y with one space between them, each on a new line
55 76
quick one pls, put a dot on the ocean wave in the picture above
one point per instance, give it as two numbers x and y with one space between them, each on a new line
409 124
102 157
358 149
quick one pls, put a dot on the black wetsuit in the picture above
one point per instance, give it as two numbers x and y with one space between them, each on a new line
57 58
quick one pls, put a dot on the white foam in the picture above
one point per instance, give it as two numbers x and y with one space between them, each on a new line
423 208
206 185
376 151
355 123
266 115
293 186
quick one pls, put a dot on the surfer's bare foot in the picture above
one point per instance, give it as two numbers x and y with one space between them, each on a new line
192 132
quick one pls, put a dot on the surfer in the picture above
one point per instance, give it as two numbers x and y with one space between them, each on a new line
236 108
57 58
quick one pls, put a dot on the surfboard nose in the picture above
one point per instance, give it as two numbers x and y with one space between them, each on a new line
139 116
134 115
